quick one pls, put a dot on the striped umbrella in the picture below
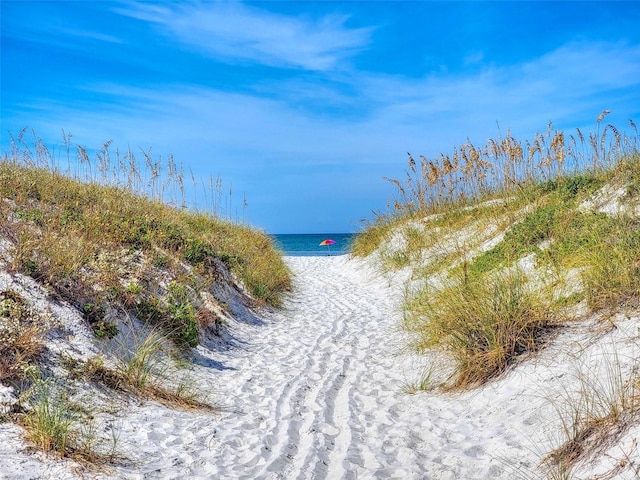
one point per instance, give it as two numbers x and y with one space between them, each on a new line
327 243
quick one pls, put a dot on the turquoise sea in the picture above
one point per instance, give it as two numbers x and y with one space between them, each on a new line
308 244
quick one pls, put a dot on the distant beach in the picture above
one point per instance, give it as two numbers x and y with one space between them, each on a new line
308 244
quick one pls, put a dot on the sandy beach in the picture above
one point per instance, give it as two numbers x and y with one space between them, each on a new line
319 390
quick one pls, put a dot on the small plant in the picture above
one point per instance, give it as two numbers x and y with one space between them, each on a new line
425 383
138 363
30 267
134 289
140 369
573 186
56 425
129 296
176 316
150 310
595 415
104 329
32 214
49 420
161 261
196 251
95 315
182 315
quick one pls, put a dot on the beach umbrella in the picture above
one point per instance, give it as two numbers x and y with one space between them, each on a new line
327 243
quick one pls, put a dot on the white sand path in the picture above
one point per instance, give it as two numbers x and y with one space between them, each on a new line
316 400
315 391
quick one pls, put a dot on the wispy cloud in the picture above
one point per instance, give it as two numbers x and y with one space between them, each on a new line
267 140
393 114
80 35
563 85
233 31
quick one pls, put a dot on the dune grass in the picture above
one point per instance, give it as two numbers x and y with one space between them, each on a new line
56 425
471 216
49 421
21 337
140 365
604 405
113 237
482 325
506 166
87 218
491 234
84 239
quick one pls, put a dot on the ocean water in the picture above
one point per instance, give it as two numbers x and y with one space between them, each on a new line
308 244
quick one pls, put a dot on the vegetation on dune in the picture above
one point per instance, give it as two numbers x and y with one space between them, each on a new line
21 336
90 220
149 279
76 236
596 416
503 241
482 325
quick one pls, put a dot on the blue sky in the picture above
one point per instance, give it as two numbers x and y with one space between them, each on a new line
303 107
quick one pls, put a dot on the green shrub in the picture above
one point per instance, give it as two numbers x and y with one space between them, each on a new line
572 187
196 251
150 310
104 329
520 239
177 316
94 313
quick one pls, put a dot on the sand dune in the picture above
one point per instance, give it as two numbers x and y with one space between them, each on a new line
317 390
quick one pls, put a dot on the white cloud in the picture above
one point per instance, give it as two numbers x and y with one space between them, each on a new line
276 143
569 86
232 30
80 35
390 112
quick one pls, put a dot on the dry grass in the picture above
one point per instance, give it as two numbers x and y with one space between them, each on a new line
605 405
92 204
528 193
112 236
21 337
51 211
144 374
612 279
84 240
482 325
52 423
506 166
55 425
477 307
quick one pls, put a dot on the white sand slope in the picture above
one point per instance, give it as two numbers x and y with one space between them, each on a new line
316 392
